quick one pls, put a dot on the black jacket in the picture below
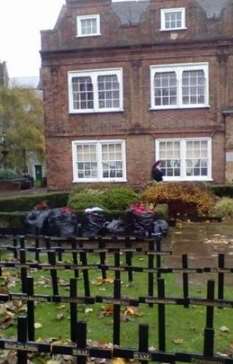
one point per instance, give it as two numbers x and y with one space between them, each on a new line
157 175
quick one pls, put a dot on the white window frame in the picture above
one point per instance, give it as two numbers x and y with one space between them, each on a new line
98 144
163 13
86 17
179 69
183 141
94 75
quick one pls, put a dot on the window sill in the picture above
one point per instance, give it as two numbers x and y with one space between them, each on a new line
173 29
194 179
112 180
193 107
88 35
73 112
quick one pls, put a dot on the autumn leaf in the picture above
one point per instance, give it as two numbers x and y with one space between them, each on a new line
60 316
61 307
178 341
88 310
107 310
118 361
132 311
109 280
37 325
224 329
100 281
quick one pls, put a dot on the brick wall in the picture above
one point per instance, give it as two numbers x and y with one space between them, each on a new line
139 23
140 155
137 124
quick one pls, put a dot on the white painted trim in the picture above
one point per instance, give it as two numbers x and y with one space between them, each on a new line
86 17
98 143
163 12
183 177
179 69
94 73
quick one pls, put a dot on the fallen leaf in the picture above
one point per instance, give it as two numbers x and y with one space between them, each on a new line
224 329
88 310
61 307
60 316
132 311
107 310
100 281
118 361
178 341
37 325
152 348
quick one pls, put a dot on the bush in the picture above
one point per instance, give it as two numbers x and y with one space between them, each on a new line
161 210
26 203
222 190
224 208
7 174
12 219
117 198
85 198
183 199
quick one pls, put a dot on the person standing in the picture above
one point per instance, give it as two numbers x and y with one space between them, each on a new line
156 172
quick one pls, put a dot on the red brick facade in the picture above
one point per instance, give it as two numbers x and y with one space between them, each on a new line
134 42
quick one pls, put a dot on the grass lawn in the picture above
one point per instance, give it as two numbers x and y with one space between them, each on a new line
184 325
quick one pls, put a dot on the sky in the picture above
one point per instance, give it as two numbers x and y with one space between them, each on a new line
20 25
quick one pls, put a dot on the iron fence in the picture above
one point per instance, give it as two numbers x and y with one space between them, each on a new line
49 254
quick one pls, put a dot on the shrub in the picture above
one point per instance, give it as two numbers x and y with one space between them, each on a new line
161 210
26 203
86 198
12 219
183 199
222 190
224 208
117 198
6 174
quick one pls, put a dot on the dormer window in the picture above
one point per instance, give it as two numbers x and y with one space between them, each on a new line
173 19
88 25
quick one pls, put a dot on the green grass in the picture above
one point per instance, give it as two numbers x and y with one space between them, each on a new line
185 324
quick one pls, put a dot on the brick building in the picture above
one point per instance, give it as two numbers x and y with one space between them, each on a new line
130 82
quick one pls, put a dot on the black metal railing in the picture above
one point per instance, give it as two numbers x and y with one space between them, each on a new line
50 254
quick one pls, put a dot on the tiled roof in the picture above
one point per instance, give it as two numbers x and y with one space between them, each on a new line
130 12
129 23
213 8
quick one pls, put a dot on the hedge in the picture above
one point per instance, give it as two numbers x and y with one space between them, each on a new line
26 203
222 190
14 220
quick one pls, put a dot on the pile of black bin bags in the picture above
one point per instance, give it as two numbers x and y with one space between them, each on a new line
63 222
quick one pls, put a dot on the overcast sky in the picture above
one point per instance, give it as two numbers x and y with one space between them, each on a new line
20 25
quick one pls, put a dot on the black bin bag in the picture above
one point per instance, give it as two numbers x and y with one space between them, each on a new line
62 223
116 227
94 223
140 223
160 227
36 221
